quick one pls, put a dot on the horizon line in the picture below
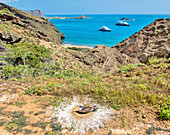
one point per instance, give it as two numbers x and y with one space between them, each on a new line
109 14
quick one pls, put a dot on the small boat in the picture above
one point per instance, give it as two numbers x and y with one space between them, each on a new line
121 23
104 28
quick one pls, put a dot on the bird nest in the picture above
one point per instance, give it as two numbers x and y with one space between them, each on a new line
86 110
81 115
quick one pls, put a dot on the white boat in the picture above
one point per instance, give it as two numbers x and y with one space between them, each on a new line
122 23
104 28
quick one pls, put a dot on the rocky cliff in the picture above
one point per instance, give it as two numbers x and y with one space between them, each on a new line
19 26
36 12
152 40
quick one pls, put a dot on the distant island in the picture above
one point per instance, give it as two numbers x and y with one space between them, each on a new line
79 17
40 13
36 12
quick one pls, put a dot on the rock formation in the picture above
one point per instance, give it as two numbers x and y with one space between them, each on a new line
81 17
104 58
36 12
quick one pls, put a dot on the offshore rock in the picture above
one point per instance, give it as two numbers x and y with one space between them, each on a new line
81 17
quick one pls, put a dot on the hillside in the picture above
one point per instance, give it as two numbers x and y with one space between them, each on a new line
17 25
49 89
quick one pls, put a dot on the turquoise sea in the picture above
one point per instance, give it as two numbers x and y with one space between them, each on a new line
84 32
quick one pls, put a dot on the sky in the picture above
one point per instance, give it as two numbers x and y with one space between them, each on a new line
93 6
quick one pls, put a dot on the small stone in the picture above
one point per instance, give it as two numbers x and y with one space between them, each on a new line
143 116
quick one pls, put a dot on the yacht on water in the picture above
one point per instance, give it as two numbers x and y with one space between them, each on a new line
104 28
122 23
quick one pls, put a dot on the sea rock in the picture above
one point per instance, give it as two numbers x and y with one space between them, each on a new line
152 40
81 17
124 19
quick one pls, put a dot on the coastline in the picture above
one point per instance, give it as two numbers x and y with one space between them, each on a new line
76 46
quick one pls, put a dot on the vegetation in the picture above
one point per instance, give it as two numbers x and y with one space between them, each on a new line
129 67
165 109
28 60
123 122
134 85
6 11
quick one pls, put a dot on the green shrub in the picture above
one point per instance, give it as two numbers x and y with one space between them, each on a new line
27 54
31 90
168 60
6 11
29 60
154 60
164 110
129 67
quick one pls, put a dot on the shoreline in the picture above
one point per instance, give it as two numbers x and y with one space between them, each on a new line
66 46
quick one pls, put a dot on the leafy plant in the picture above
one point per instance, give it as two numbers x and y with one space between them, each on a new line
154 60
165 109
123 122
6 10
129 67
32 90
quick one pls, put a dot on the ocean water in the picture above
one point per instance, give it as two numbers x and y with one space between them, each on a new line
84 32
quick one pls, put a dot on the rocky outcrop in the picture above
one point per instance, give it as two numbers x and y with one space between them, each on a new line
81 17
10 38
152 40
104 58
36 12
126 19
17 25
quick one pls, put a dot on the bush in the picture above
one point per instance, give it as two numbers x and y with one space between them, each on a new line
28 60
164 110
6 11
31 91
129 67
154 60
27 54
